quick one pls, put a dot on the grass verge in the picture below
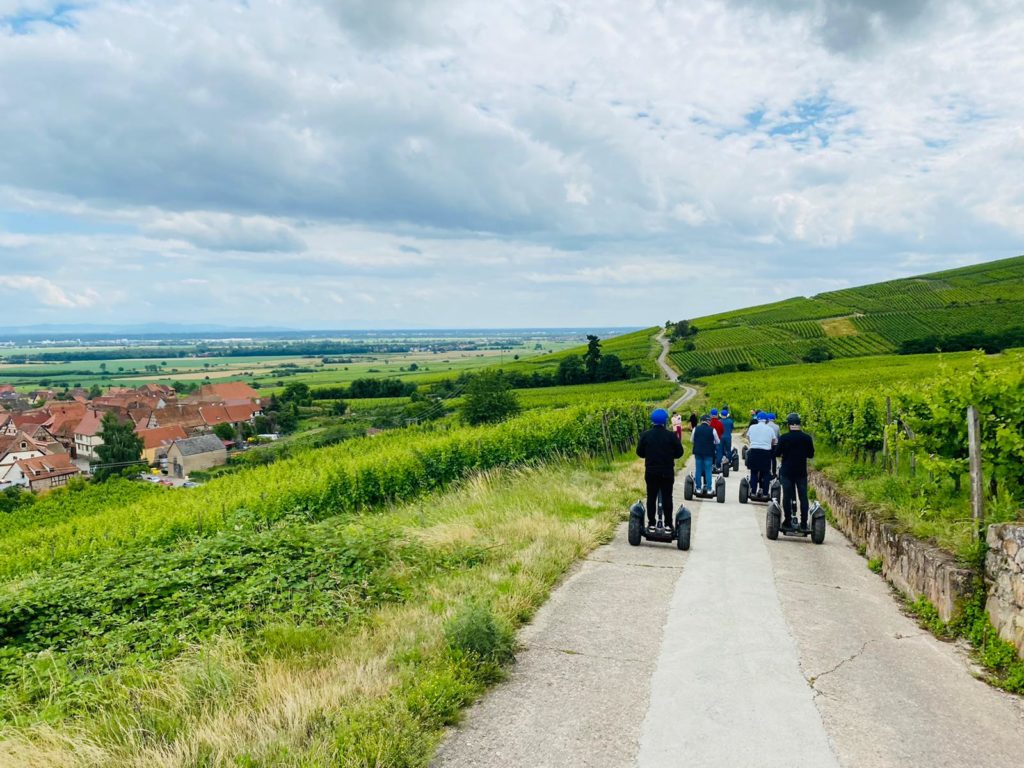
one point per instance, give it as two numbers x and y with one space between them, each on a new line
355 643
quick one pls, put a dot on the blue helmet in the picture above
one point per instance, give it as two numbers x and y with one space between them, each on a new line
725 411
771 416
714 411
762 416
659 416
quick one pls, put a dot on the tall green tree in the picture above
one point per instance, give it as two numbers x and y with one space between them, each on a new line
489 398
571 370
121 448
592 357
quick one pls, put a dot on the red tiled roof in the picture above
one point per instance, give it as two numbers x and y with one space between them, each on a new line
188 416
90 423
44 467
228 390
154 438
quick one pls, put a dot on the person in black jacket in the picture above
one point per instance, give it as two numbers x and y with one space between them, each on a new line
705 446
794 447
659 448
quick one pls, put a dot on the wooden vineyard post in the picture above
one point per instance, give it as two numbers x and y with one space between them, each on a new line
885 435
977 484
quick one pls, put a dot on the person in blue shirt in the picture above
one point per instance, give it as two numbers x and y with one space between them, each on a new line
705 442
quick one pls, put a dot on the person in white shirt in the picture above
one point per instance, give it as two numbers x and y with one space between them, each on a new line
761 438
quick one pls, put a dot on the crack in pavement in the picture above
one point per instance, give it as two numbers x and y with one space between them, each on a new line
812 681
634 565
571 652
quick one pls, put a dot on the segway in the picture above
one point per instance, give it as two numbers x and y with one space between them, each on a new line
736 459
773 522
774 492
690 490
639 530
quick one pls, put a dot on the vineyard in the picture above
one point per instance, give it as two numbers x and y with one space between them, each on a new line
856 322
133 613
843 403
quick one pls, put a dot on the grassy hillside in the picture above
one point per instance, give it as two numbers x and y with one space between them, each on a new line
636 348
931 310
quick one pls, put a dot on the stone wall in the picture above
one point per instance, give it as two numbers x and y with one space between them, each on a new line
912 566
1004 572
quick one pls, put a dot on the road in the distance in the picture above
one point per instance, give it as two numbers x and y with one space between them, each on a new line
742 653
672 375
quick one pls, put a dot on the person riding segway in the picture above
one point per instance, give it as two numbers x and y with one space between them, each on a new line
659 448
728 425
794 448
761 438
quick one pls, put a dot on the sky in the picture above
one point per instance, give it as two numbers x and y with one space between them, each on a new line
509 163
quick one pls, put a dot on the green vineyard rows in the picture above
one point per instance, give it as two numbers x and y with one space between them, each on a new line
318 483
857 322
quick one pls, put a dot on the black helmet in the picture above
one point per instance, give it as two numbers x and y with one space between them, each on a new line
793 419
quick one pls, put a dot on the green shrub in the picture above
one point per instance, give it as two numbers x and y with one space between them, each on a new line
475 632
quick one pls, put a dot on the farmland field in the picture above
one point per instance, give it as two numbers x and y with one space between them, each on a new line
984 299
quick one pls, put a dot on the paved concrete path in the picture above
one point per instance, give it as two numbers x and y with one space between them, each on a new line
741 652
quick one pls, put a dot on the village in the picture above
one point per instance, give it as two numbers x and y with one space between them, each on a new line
46 441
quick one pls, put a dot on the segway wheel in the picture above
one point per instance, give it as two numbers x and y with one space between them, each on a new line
725 468
775 491
635 531
772 522
720 491
744 453
688 488
818 530
735 461
744 490
683 534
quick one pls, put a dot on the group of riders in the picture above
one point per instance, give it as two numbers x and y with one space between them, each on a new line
770 453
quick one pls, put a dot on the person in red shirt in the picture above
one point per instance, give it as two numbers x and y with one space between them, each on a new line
719 427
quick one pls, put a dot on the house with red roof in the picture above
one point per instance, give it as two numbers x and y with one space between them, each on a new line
236 392
44 472
155 442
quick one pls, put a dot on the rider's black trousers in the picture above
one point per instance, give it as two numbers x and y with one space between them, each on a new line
659 483
759 460
794 487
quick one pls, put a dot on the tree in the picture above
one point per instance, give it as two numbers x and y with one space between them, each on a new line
298 393
120 449
610 368
489 398
224 431
592 357
819 353
95 391
339 408
413 367
571 371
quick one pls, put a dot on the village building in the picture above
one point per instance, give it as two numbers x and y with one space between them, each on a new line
15 448
195 454
228 393
44 472
156 442
87 438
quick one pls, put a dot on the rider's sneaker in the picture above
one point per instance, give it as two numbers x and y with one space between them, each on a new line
668 524
787 525
805 528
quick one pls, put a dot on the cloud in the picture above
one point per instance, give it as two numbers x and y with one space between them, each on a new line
525 162
223 232
49 294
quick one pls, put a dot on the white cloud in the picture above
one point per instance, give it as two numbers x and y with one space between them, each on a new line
512 161
49 294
